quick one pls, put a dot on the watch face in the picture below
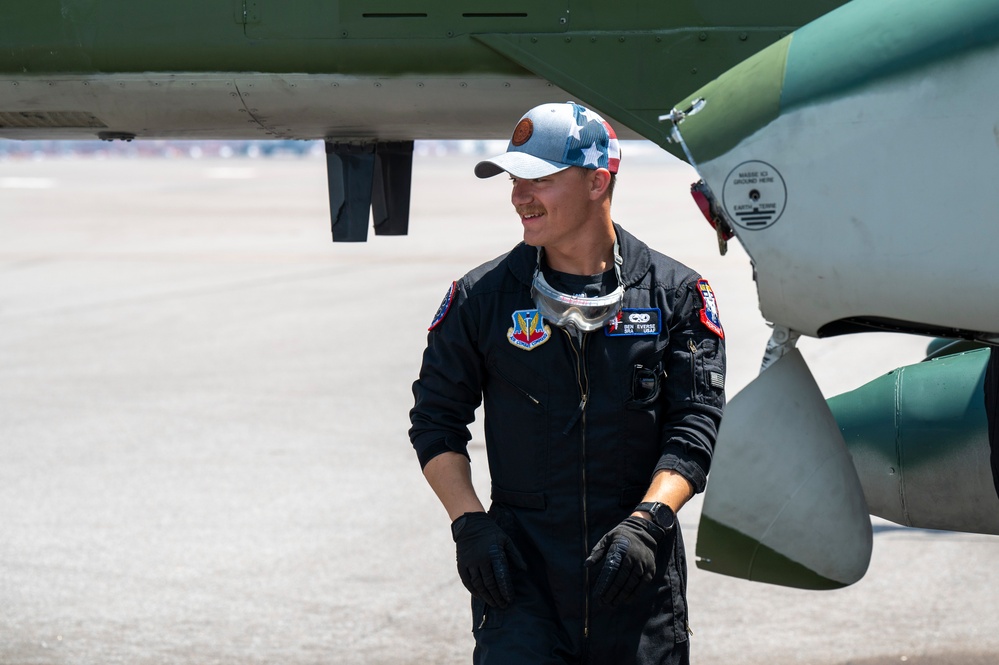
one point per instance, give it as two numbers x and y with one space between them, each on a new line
662 515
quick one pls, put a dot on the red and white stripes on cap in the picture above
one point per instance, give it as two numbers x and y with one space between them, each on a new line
613 149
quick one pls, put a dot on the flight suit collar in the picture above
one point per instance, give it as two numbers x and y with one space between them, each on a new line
636 256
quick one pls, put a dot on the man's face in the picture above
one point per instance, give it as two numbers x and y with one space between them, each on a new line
553 208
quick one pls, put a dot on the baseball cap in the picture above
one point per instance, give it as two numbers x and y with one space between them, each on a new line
551 138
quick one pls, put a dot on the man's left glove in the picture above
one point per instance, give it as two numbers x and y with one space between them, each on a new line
483 550
629 554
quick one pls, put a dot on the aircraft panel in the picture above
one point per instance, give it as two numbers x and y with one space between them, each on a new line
261 106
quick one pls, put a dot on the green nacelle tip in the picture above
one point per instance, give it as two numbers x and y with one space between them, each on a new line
726 551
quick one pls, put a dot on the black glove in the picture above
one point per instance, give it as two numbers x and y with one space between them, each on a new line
629 554
482 551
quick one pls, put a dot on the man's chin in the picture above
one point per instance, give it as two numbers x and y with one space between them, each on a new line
532 238
532 233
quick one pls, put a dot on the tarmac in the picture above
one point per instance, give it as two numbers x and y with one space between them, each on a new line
204 412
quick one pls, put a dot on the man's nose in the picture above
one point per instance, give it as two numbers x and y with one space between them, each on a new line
521 193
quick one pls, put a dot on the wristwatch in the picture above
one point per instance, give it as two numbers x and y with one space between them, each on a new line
662 515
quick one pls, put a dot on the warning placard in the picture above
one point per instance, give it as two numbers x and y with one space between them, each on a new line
754 195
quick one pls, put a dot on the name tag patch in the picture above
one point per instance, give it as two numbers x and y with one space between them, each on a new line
635 322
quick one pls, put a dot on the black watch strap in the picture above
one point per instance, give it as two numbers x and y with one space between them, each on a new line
662 515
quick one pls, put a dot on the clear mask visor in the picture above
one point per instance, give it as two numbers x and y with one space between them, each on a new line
586 314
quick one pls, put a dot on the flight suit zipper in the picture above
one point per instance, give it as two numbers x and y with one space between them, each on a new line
582 381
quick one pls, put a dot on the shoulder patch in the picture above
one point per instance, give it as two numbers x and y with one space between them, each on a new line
445 306
709 313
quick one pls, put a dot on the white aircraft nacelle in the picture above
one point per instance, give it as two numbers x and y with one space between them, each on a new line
871 197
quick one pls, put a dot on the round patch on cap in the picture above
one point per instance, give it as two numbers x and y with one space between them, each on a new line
523 132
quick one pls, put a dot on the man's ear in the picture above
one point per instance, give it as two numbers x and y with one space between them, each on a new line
599 182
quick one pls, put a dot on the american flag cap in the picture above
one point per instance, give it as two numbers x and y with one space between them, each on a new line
551 138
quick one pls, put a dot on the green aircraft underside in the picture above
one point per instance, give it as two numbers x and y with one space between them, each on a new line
631 60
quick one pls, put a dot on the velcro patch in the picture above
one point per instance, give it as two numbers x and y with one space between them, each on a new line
635 322
529 330
445 306
709 313
717 380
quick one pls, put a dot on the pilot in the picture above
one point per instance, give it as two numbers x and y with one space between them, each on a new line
601 364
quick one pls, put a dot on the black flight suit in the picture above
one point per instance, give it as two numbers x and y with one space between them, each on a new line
574 433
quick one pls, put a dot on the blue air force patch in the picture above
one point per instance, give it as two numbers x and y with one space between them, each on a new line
709 314
635 322
529 330
445 306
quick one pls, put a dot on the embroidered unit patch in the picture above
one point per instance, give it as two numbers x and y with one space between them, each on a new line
528 331
445 306
635 322
709 314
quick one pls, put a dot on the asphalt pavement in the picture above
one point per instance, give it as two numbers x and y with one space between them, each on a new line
203 416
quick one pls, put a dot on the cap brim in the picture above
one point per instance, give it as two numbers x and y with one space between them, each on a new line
519 165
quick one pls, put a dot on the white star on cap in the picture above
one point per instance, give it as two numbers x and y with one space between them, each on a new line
592 155
574 133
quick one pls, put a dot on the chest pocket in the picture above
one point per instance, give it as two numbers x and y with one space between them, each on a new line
637 428
646 384
635 369
516 424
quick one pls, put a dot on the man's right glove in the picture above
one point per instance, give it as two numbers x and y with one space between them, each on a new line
629 555
483 550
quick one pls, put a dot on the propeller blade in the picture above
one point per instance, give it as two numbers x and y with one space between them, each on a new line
784 504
